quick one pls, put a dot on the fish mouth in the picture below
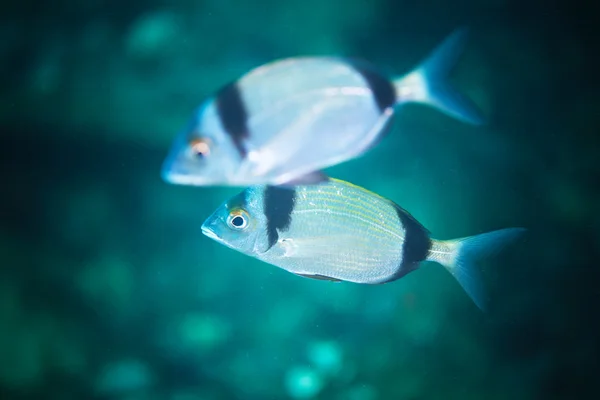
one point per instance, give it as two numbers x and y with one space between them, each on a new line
179 176
206 231
184 179
176 172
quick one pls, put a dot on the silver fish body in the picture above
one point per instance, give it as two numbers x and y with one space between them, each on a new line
339 231
285 121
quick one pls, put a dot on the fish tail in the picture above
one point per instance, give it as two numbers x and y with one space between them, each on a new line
429 82
459 257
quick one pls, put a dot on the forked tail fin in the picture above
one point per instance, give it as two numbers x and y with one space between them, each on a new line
459 257
429 82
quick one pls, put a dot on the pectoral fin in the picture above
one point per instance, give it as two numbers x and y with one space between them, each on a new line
320 277
312 178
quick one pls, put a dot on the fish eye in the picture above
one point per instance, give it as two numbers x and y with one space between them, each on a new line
200 147
237 219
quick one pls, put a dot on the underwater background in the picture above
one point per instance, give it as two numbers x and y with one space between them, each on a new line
109 290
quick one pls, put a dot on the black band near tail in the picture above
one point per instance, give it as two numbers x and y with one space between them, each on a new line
417 242
382 88
279 202
233 115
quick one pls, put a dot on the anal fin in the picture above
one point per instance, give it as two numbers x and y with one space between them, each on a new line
320 277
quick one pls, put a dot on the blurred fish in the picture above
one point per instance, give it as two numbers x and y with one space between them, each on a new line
341 232
285 121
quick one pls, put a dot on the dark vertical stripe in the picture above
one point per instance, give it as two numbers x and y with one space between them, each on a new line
278 205
233 115
417 242
383 89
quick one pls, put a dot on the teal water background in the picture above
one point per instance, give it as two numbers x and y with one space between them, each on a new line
108 289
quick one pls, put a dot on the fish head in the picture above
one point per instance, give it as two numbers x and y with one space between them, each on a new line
239 223
203 154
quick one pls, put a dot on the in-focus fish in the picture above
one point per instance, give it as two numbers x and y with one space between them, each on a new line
339 231
285 121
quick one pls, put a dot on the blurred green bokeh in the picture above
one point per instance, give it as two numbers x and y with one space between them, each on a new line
108 289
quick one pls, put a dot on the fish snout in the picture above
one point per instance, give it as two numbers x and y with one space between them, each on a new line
208 230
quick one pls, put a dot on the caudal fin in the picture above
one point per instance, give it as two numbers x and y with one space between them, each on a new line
459 257
429 82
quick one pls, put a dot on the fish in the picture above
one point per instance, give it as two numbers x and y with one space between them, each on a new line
338 231
284 122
